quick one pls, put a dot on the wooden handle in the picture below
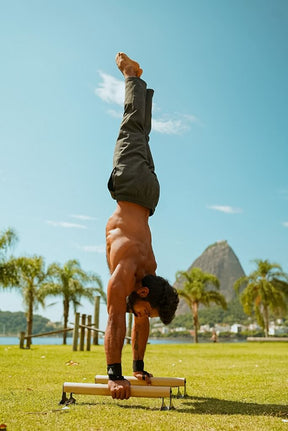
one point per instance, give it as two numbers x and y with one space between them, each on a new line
171 382
99 389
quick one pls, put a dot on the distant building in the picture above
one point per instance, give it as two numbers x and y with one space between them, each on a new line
204 328
237 328
275 329
180 329
222 328
253 327
160 328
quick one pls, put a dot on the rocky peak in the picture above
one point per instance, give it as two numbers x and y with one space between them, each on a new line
218 259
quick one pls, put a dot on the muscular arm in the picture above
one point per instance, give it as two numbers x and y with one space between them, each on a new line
121 283
140 335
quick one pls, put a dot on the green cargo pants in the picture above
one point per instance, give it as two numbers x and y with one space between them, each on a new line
133 178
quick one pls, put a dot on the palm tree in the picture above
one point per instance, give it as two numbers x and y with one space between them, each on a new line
30 278
7 269
7 239
265 290
194 292
70 281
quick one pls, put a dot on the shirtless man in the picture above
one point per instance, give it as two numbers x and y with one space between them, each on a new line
133 285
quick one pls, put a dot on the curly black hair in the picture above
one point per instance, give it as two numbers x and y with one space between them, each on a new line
161 296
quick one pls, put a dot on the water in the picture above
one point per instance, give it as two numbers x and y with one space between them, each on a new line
49 341
8 341
57 341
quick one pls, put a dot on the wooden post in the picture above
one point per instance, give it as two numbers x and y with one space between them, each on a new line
96 320
88 339
129 328
76 332
22 340
82 332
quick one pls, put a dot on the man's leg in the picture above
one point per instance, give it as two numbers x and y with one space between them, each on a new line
148 118
132 134
131 138
133 178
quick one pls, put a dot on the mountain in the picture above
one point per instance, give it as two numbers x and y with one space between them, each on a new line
12 323
218 259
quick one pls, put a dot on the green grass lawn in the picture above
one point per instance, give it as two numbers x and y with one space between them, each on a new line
230 387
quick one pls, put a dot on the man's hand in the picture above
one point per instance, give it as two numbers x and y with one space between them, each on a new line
119 389
143 375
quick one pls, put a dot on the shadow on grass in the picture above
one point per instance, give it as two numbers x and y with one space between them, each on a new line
123 406
215 406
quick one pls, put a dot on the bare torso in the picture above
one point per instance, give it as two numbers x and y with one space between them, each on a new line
128 241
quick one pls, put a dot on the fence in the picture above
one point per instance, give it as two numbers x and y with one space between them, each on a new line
80 329
28 338
83 329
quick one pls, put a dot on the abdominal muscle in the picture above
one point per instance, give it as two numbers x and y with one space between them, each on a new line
128 237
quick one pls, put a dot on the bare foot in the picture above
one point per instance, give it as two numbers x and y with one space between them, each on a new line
127 66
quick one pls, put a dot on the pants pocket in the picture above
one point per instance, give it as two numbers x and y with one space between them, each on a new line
111 183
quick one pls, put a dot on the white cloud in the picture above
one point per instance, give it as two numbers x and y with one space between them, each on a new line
225 209
66 225
169 127
114 113
285 223
112 90
191 118
94 248
82 217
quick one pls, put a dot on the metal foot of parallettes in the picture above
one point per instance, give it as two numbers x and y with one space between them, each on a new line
103 390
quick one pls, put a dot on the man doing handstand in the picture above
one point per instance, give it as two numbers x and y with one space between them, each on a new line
133 285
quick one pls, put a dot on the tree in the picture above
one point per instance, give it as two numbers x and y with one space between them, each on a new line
195 292
30 278
265 290
70 281
7 268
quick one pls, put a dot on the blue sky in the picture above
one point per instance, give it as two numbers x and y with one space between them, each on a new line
219 70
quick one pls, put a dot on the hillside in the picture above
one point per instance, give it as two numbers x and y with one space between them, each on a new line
218 259
13 323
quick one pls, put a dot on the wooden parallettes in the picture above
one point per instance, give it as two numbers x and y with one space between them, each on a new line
102 389
171 382
161 387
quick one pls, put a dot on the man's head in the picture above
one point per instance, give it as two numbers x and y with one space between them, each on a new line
159 294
